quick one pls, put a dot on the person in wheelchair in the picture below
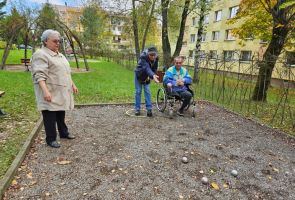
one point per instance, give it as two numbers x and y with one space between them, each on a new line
176 81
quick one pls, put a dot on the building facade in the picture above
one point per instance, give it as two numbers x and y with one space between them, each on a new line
218 42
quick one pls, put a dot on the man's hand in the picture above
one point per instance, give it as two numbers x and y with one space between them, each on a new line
180 82
155 77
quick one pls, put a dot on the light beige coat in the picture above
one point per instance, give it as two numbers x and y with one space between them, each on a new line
55 70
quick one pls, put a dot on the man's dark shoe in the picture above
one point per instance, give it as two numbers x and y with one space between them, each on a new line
69 136
149 113
53 144
180 113
137 113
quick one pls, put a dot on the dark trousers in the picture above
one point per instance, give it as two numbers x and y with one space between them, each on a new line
50 119
186 96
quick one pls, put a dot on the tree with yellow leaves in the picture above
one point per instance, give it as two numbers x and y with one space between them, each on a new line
269 20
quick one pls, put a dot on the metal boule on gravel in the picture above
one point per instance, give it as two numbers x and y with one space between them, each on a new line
184 159
204 180
234 173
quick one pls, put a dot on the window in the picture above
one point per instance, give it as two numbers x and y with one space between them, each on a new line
213 54
217 15
193 38
229 35
202 54
206 19
246 55
215 35
194 22
233 11
184 43
191 53
203 37
228 55
290 58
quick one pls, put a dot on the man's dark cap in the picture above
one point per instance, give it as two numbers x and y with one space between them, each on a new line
152 50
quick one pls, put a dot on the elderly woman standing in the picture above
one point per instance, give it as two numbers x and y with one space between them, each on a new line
53 87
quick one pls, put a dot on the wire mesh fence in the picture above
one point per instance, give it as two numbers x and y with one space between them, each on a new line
230 83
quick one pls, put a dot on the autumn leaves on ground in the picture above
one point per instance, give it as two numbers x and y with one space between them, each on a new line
116 156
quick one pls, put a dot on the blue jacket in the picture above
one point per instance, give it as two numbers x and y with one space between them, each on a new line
145 68
171 77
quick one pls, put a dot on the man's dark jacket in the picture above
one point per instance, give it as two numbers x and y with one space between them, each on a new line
146 68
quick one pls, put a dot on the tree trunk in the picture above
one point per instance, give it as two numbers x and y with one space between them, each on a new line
148 25
71 34
181 29
26 50
6 52
73 48
165 38
135 30
267 65
199 40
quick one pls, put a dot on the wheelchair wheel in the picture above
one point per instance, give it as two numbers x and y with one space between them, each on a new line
161 100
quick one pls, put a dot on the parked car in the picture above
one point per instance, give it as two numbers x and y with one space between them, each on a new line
22 46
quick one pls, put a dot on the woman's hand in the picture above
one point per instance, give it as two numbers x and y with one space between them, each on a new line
47 96
75 89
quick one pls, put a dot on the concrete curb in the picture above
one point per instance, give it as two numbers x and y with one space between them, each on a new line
103 104
7 178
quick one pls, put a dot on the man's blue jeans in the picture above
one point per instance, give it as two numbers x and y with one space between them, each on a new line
147 95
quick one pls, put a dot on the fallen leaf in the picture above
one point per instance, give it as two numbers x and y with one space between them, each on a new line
225 185
215 186
275 169
14 182
47 194
64 162
30 175
84 194
181 197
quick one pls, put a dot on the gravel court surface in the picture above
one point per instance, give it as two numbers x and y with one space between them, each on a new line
116 156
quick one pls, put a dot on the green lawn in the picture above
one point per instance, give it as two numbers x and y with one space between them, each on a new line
15 56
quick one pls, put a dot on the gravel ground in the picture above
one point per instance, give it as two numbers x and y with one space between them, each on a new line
116 156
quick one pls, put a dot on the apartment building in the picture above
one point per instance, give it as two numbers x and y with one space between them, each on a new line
218 42
119 39
70 16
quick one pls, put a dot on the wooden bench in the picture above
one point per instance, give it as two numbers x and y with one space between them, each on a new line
25 61
1 112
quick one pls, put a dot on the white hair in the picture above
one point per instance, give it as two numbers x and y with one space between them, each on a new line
47 33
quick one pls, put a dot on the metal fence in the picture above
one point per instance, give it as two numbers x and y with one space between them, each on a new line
230 83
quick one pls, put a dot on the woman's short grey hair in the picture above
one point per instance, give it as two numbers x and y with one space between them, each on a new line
47 33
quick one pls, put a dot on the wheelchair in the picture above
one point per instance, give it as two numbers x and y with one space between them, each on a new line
166 99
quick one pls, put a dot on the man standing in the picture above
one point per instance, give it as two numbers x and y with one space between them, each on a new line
176 79
145 71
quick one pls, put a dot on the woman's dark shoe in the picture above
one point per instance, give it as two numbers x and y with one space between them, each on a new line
53 144
69 136
137 113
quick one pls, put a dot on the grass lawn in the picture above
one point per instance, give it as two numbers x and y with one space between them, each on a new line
15 55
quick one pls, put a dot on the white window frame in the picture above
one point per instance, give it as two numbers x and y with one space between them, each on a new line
248 56
229 35
228 55
203 37
233 11
206 19
192 38
218 15
215 35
